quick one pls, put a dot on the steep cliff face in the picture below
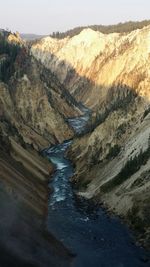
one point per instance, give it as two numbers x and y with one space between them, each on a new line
24 177
90 63
30 120
113 161
33 100
110 74
113 166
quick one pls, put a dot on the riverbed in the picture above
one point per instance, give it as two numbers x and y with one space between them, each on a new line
96 238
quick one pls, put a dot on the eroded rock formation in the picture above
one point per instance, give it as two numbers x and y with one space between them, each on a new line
110 74
32 116
91 62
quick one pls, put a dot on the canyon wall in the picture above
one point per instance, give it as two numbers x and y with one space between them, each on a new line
24 177
109 73
33 112
36 105
90 63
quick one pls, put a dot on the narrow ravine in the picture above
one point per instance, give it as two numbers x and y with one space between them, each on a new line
96 238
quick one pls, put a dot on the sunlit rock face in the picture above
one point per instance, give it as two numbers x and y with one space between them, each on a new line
15 38
91 62
34 101
110 74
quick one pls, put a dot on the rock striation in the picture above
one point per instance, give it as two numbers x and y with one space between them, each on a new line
33 112
110 74
32 107
90 63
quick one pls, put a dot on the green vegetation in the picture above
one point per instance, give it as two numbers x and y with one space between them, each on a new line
121 130
8 54
140 220
52 82
120 28
140 181
135 220
94 160
113 152
147 111
83 184
113 103
131 167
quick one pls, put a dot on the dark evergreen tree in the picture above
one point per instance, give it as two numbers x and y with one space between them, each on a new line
120 28
8 54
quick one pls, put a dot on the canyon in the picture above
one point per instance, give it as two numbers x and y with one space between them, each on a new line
51 83
109 73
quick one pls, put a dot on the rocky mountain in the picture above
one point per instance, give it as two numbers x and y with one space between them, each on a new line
127 27
33 100
33 111
30 36
77 62
42 84
110 75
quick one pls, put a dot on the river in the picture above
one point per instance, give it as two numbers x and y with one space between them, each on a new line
96 238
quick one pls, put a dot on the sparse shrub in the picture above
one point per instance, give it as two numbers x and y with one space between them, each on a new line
113 152
121 130
7 65
106 29
135 220
131 166
146 112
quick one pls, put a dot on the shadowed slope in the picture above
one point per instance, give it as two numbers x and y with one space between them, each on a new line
110 74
